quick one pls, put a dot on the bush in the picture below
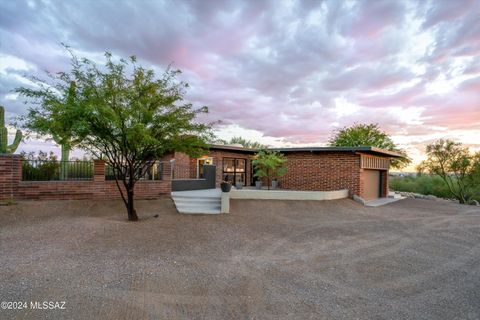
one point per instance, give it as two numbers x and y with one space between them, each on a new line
424 184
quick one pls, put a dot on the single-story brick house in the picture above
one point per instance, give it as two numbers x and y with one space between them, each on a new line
361 170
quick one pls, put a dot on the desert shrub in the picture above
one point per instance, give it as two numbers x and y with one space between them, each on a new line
423 184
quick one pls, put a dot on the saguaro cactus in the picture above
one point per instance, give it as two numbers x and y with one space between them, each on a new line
4 147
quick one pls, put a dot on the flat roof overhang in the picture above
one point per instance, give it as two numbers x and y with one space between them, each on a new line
232 148
368 150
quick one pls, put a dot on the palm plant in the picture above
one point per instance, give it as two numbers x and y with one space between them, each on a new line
269 165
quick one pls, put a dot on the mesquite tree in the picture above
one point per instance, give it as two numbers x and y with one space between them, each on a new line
458 168
133 118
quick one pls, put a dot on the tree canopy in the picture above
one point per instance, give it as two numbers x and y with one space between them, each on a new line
458 168
368 135
133 118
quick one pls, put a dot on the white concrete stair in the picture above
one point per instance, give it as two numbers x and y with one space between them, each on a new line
198 201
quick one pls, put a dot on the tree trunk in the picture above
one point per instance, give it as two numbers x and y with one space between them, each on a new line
132 214
64 163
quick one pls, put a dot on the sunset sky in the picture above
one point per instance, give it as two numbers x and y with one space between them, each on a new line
284 73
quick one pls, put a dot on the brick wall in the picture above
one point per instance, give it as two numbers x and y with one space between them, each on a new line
12 187
325 171
320 171
183 166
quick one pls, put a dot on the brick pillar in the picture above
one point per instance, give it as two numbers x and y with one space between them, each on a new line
98 170
10 175
167 170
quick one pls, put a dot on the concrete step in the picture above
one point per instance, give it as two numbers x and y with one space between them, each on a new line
196 200
190 204
199 210
197 205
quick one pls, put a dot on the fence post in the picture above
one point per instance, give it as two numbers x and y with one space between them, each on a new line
98 170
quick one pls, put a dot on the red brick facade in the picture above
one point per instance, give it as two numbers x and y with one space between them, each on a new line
316 171
325 171
12 186
309 171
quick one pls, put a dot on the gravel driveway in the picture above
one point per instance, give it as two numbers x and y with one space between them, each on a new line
413 259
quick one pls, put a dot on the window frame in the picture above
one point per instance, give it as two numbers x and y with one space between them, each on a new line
235 171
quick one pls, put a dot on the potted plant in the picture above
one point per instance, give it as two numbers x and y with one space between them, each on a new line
270 165
239 185
226 186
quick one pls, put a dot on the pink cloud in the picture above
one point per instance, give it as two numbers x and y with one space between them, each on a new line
385 13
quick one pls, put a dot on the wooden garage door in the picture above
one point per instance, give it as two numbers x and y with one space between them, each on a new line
372 184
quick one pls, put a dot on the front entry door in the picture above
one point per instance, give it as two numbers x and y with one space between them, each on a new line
200 163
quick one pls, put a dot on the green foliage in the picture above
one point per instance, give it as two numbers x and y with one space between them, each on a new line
453 163
270 165
368 135
4 147
423 184
130 117
55 107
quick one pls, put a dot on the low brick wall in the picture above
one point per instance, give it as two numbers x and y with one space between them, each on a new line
12 186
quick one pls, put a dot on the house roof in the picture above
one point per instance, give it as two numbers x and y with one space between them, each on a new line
369 150
232 148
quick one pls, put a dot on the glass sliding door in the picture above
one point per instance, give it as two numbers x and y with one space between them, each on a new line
234 170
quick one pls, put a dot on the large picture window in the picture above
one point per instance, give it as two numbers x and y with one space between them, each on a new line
234 170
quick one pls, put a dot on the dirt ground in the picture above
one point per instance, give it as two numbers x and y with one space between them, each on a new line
413 259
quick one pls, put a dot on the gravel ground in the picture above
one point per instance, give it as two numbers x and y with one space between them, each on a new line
413 259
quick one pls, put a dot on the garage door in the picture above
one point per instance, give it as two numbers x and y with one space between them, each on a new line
372 184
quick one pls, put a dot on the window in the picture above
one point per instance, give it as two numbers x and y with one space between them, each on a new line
234 170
